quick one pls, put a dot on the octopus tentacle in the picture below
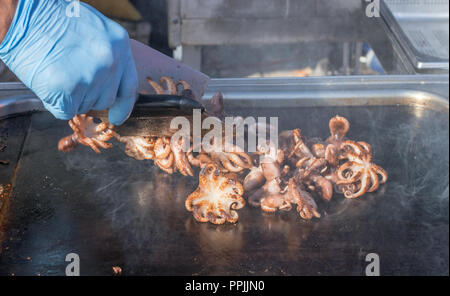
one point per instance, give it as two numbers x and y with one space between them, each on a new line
254 179
365 184
344 178
235 161
228 165
306 206
181 161
294 194
76 122
99 127
100 143
318 150
138 147
158 88
165 163
170 84
270 171
217 197
367 147
162 147
326 187
373 180
105 136
273 202
184 85
200 160
240 159
68 143
87 133
300 149
380 171
331 155
89 142
301 163
353 146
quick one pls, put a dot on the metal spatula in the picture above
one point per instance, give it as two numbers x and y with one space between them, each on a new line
152 113
151 63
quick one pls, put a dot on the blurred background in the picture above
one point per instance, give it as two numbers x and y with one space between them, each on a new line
287 38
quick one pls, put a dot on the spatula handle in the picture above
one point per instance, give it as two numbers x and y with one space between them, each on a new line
148 105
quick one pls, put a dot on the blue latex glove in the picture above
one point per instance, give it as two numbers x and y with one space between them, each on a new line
73 64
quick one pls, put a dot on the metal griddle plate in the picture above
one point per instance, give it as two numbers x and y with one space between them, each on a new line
116 211
421 28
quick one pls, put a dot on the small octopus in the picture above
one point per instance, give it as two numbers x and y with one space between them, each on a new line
359 170
139 148
234 159
273 192
310 164
330 149
306 206
264 183
87 133
217 197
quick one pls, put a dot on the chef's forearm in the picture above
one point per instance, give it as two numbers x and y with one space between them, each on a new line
7 11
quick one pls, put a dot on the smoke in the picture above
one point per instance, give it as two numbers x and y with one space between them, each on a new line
145 206
134 195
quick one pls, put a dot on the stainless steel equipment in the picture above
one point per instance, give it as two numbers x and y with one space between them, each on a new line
116 211
197 23
410 37
421 30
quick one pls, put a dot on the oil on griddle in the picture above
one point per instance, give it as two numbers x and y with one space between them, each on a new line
280 178
117 211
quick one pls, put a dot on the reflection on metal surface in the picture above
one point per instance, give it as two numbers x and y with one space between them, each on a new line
419 111
19 105
314 91
288 232
116 211
217 239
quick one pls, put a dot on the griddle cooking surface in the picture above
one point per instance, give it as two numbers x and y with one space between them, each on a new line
116 211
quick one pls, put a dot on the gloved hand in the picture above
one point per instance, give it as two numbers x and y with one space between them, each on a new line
73 64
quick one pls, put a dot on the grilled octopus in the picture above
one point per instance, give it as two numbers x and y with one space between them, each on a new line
170 156
286 176
217 197
302 169
167 155
358 170
87 133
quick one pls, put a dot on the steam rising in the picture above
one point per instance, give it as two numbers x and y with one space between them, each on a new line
146 206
